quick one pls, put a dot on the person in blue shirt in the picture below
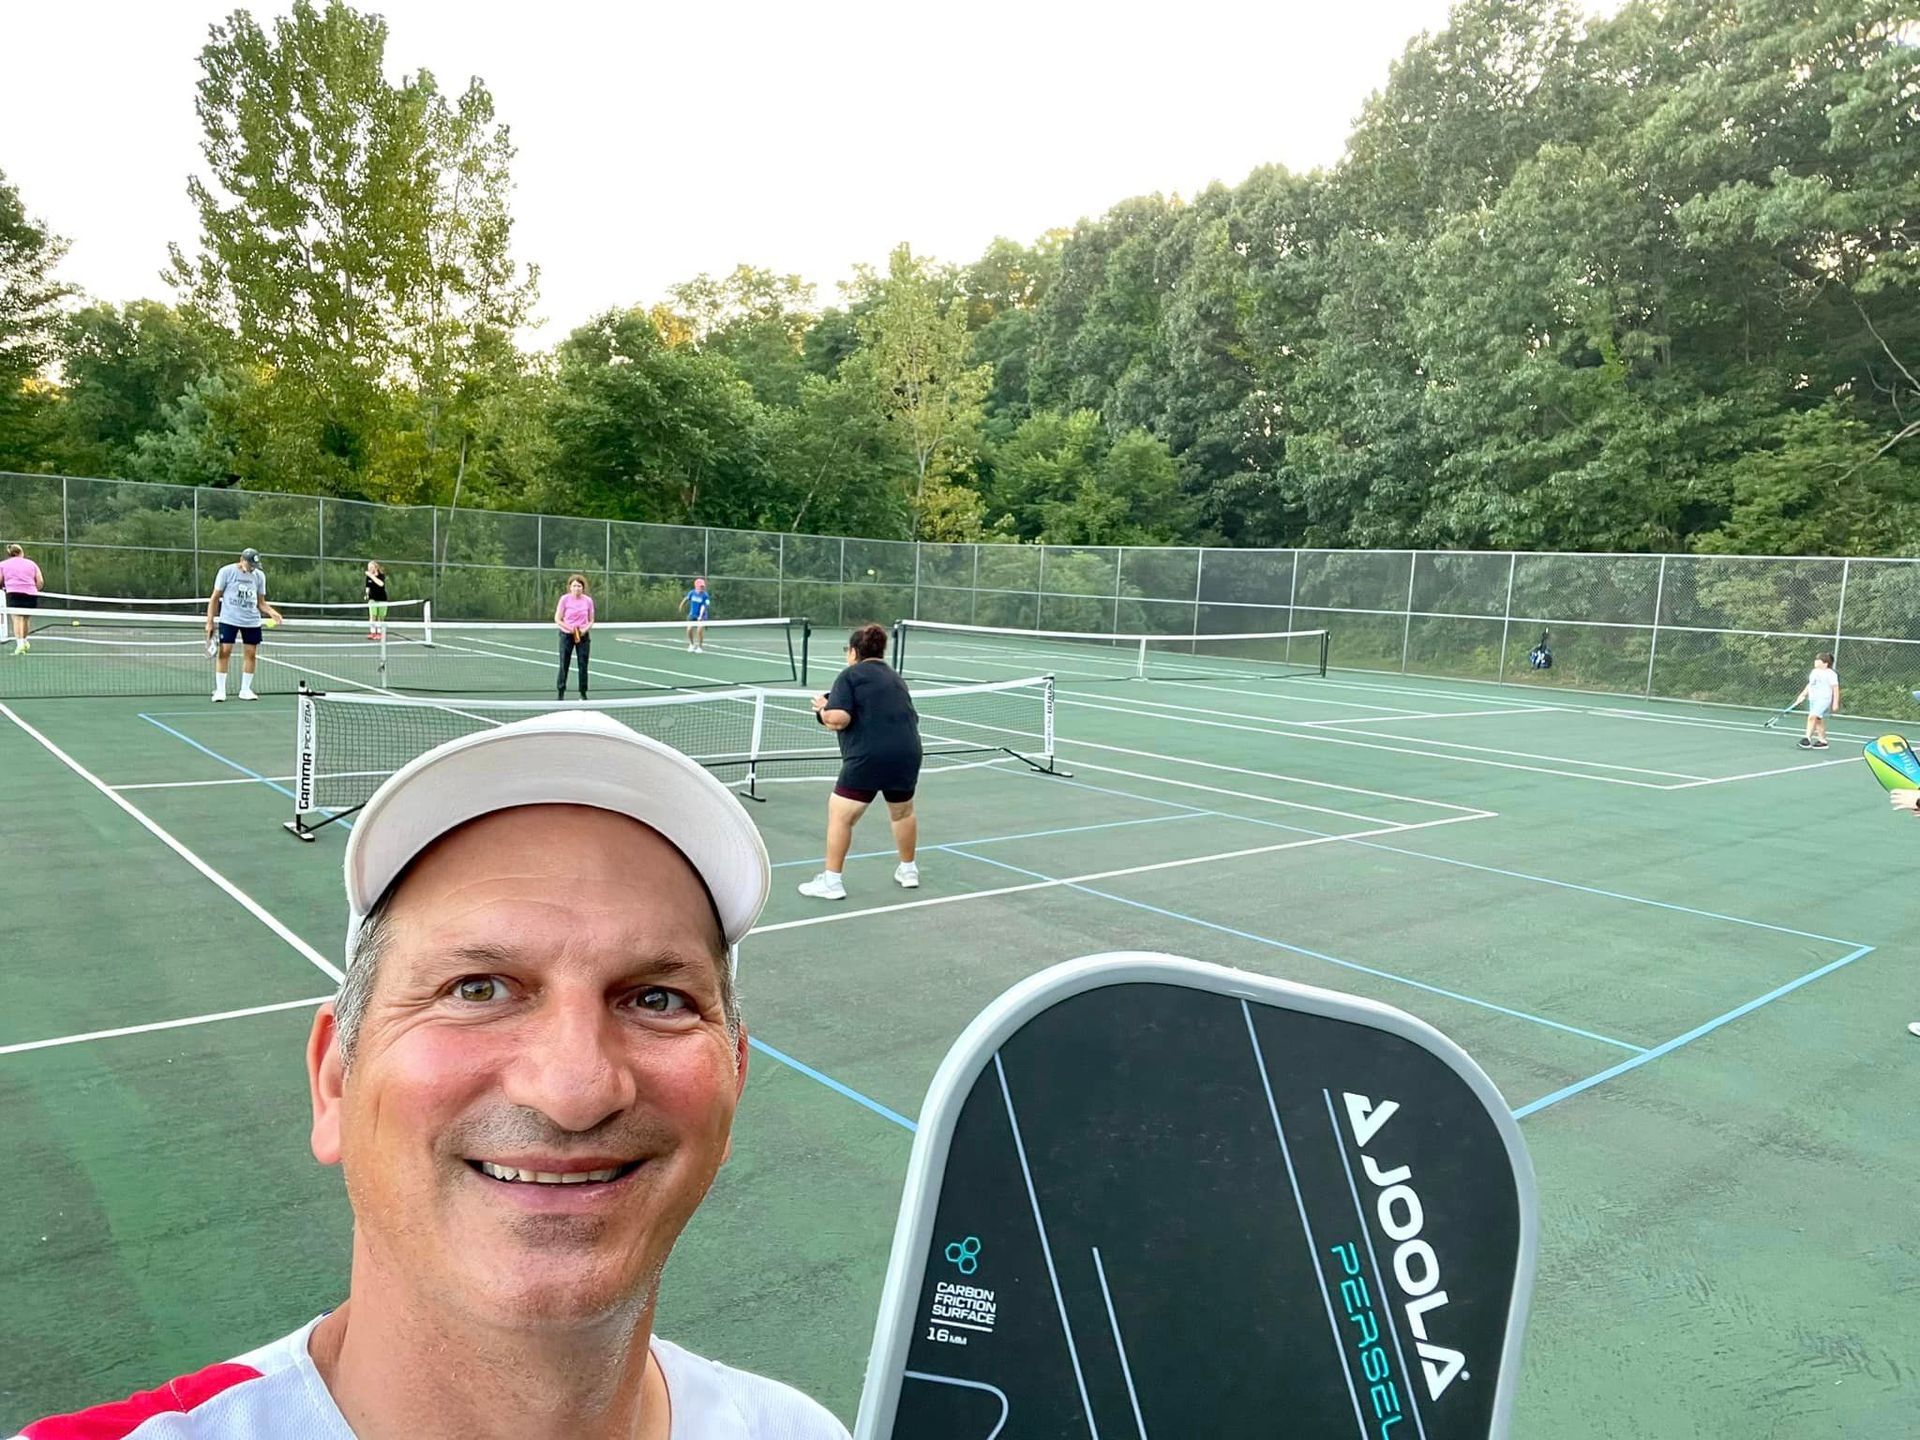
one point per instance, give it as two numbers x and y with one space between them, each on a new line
697 602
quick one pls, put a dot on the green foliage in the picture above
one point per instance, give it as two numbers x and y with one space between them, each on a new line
1638 283
916 357
30 320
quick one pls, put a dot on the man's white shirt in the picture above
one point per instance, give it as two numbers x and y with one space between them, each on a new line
276 1393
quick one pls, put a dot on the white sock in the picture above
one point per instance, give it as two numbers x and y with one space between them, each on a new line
830 874
219 684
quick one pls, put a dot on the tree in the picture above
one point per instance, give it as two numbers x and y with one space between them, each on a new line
647 431
123 367
355 240
917 357
30 323
758 320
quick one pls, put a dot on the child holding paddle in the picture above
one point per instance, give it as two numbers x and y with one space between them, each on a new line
1822 694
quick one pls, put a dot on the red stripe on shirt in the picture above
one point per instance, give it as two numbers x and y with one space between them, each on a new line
121 1418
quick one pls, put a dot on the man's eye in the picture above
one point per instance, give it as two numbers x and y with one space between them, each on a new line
479 989
661 1001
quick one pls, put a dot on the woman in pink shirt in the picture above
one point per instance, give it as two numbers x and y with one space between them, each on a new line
20 579
574 616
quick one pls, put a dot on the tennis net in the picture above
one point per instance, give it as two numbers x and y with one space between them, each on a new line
93 653
348 743
931 649
418 610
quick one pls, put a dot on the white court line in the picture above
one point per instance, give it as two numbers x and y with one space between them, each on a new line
253 907
1755 728
1532 755
197 784
1467 811
1238 769
1759 774
834 916
1425 715
26 1045
1297 732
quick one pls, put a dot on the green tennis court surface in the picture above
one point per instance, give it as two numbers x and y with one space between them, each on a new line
1672 938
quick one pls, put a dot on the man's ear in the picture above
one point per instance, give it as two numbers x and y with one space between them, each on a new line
326 1082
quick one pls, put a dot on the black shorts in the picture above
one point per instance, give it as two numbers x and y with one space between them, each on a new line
246 634
865 797
16 601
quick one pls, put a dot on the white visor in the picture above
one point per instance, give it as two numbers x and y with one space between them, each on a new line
574 757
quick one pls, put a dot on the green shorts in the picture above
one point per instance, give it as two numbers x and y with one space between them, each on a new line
376 609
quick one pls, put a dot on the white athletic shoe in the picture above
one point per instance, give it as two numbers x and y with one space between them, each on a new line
1914 1028
218 696
692 649
248 695
907 875
825 887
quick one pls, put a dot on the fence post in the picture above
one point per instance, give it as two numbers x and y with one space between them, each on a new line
1039 589
973 605
1506 617
609 564
1406 635
66 540
916 579
1293 587
1840 615
1653 644
1200 569
539 543
197 586
433 540
706 550
840 591
320 527
1119 562
780 575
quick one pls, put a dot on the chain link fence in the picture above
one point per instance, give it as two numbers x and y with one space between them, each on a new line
1734 630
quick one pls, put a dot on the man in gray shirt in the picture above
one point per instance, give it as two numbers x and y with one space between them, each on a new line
238 600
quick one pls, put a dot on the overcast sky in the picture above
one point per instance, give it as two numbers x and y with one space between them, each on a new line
660 140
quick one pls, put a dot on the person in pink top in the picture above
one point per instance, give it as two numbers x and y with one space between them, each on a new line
21 580
574 616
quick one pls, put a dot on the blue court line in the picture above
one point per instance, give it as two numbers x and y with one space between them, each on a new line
226 760
1535 1106
832 1084
1608 894
216 755
1472 865
1310 954
1028 835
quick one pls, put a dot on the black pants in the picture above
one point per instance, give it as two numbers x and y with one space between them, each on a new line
569 647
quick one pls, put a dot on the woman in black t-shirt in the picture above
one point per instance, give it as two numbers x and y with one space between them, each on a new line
871 711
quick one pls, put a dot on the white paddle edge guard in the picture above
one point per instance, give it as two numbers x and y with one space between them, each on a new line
995 1025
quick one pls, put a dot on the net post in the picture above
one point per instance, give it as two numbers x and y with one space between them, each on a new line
1506 617
305 762
1046 722
426 621
1326 637
1840 614
1653 642
1406 635
753 744
1140 663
